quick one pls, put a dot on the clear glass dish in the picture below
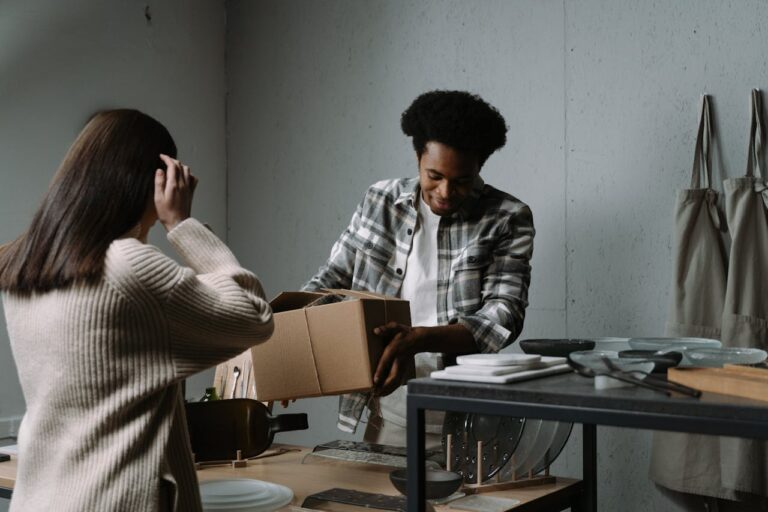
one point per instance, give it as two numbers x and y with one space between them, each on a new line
717 357
243 494
560 438
675 344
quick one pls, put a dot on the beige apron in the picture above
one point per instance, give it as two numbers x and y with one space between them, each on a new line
691 462
744 462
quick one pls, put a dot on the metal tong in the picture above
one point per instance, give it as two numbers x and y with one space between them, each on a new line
647 381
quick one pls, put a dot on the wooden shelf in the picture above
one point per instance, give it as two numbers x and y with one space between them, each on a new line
315 476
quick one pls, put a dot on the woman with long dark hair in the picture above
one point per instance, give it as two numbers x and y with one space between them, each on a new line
104 327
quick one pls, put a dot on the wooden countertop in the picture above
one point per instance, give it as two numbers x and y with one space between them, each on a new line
317 474
8 473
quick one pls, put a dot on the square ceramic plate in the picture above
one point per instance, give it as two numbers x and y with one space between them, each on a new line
465 369
497 359
502 379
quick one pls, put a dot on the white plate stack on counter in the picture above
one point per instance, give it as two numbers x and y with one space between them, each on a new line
502 368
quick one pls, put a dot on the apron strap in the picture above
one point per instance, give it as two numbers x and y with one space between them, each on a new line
702 159
755 151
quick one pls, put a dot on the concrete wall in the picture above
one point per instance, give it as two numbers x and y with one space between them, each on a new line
602 100
61 61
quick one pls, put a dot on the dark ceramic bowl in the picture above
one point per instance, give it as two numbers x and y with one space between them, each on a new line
437 482
555 348
662 361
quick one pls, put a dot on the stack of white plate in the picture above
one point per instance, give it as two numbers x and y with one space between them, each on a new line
501 368
243 495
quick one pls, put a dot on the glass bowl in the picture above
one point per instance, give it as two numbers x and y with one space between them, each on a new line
594 360
662 361
437 483
672 344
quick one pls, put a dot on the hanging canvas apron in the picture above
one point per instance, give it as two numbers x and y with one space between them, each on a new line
691 462
744 463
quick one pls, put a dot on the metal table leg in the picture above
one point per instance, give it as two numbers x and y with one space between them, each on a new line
589 469
416 459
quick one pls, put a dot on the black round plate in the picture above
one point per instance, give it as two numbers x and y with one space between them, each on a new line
555 348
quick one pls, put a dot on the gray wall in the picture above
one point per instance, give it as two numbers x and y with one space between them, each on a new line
61 61
602 100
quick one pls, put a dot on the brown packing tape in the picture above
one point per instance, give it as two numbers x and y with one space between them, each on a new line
329 291
312 348
387 302
386 321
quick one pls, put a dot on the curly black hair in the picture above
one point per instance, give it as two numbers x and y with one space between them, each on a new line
458 119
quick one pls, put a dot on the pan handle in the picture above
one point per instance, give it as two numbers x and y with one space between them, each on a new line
287 422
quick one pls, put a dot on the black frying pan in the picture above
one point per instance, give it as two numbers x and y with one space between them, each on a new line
217 429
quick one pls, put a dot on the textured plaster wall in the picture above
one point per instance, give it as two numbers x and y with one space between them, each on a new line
60 62
602 100
313 120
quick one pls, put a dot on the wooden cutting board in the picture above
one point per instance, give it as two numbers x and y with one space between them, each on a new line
735 380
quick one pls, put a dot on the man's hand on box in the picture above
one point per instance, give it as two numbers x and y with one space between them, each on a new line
403 342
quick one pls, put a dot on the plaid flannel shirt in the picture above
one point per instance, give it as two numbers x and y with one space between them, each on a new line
484 250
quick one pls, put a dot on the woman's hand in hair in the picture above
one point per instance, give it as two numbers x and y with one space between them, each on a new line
174 188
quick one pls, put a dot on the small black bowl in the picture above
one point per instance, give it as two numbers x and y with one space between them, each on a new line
555 348
662 361
437 482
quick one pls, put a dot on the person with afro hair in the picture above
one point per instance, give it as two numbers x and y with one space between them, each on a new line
458 249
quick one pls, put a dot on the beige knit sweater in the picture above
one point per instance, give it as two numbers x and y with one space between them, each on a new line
101 366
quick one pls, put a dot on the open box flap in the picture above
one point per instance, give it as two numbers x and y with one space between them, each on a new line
359 294
287 301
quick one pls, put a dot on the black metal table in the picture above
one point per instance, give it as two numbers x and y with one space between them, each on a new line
570 397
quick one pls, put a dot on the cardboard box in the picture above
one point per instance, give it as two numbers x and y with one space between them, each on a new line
317 348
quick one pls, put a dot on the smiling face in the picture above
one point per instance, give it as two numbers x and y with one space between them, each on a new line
446 176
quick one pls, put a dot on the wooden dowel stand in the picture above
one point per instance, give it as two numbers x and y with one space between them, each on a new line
498 485
479 469
448 452
239 463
